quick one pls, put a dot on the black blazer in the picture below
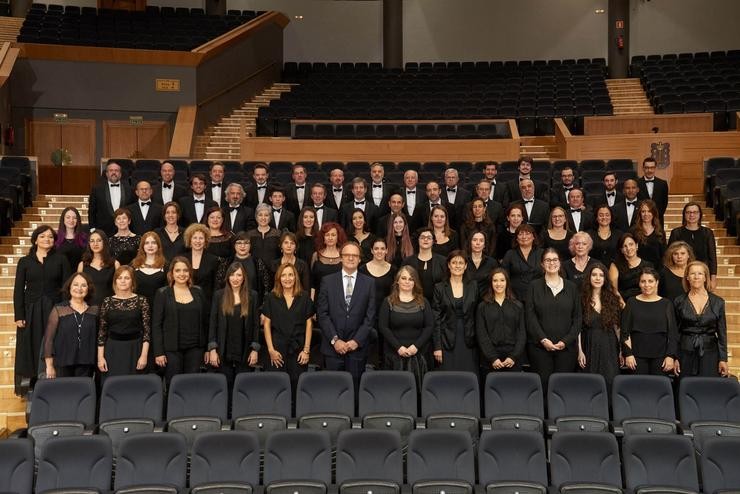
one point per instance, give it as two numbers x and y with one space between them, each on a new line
499 192
219 323
495 211
660 194
456 210
177 192
153 220
291 197
557 197
331 202
165 325
445 319
540 214
188 209
587 220
244 219
601 199
287 220
371 214
250 198
329 215
619 216
388 189
513 194
100 210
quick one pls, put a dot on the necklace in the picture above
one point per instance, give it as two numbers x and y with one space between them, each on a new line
79 325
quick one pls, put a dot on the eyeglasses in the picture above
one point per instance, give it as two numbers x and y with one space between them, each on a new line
426 237
351 256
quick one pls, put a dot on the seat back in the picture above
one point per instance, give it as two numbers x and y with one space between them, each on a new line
154 458
570 394
387 391
720 464
708 398
450 392
298 455
659 460
75 461
192 395
369 455
513 393
513 456
16 466
325 392
135 396
435 454
585 457
63 399
228 456
642 396
261 393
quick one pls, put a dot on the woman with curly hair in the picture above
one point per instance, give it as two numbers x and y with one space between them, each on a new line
326 260
598 343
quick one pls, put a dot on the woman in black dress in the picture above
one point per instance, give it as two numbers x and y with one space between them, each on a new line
700 238
180 322
207 268
480 264
69 342
430 267
702 326
265 239
361 234
288 311
598 343
124 333
477 220
553 320
171 233
71 239
220 237
384 274
258 275
445 238
398 240
506 239
307 228
604 236
149 265
576 266
677 256
624 273
326 260
234 329
557 235
406 322
500 326
454 303
98 263
649 233
125 243
523 262
288 245
649 334
39 277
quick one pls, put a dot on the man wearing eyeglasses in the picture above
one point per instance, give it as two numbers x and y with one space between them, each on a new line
345 313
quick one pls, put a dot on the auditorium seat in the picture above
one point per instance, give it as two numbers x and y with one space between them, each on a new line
451 400
297 461
16 465
720 465
577 402
261 402
643 404
709 406
388 400
225 462
80 464
585 462
196 403
325 401
440 461
151 463
369 461
659 463
512 461
513 401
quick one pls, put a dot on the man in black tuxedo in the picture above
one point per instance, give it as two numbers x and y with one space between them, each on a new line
413 199
626 212
297 192
380 190
106 197
498 191
281 217
610 195
454 197
195 204
494 209
579 218
238 217
513 193
395 205
167 190
559 194
146 215
537 211
338 194
216 185
345 311
652 187
258 192
359 201
324 214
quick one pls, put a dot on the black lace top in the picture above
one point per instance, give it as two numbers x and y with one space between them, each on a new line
125 318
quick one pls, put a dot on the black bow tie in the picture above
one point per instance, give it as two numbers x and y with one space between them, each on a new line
567 187
529 201
649 179
199 201
300 187
359 203
233 208
611 194
318 207
146 204
631 203
573 210
377 186
338 190
115 185
451 189
216 185
261 187
411 192
166 186
277 210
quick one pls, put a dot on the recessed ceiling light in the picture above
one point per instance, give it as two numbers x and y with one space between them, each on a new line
299 17
599 11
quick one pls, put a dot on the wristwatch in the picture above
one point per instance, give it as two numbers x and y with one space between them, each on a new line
334 340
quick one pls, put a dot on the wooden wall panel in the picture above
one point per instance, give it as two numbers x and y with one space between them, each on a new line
644 124
123 140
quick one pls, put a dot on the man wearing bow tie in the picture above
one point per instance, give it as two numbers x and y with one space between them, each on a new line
195 204
167 190
359 200
324 214
432 197
624 213
610 195
454 198
579 218
238 217
258 192
652 187
338 194
498 191
537 211
513 193
146 215
297 192
380 190
106 197
218 189
395 206
413 198
281 219
559 194
494 209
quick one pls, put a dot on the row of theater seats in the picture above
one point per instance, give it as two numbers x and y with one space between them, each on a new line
402 131
722 189
373 461
167 28
4 9
15 190
697 83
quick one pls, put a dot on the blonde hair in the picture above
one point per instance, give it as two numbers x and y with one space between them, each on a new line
140 259
192 230
278 288
704 267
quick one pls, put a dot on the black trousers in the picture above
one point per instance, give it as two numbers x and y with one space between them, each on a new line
546 363
183 362
706 365
651 366
349 363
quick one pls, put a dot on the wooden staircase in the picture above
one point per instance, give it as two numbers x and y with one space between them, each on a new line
10 28
539 148
628 97
221 141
